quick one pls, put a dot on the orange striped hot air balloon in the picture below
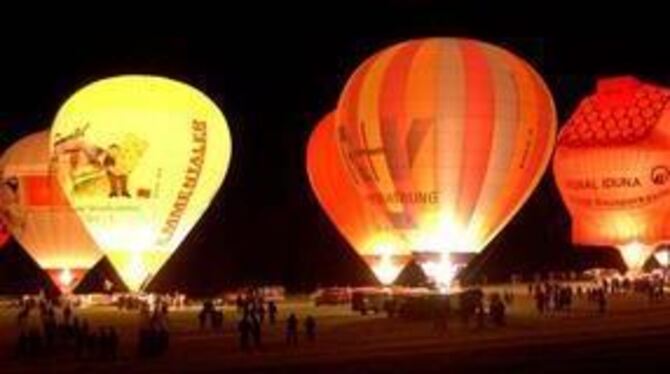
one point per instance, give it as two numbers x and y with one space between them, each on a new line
447 138
38 215
367 232
612 167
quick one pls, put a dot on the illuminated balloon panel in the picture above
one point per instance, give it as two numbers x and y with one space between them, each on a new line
140 158
367 232
447 138
612 167
38 215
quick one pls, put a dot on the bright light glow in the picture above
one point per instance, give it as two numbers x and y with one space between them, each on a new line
442 272
136 272
635 254
65 278
663 257
385 270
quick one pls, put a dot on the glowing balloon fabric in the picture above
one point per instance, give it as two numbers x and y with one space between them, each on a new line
38 215
447 138
365 230
140 158
612 166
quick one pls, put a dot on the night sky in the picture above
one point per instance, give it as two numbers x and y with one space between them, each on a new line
274 77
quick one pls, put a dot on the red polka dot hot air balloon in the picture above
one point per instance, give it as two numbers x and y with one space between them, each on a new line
367 232
612 167
447 138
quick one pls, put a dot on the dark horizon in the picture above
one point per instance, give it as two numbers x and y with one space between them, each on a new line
265 224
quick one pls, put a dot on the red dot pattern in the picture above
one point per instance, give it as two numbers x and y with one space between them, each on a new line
595 123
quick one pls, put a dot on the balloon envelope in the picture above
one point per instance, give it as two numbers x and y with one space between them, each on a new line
140 158
39 216
365 230
447 138
612 167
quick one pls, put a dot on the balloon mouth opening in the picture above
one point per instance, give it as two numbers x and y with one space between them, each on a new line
635 254
386 266
443 269
66 279
662 256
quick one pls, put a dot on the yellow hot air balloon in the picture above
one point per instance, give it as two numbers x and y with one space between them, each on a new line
140 158
40 217
446 137
367 232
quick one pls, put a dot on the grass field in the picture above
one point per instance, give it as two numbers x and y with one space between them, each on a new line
633 334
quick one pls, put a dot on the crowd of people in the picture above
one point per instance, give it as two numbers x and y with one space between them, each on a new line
253 310
153 335
557 297
50 327
255 314
473 305
552 297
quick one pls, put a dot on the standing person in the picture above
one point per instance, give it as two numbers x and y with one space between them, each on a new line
239 302
602 302
498 312
292 330
261 312
92 345
272 312
256 331
202 318
244 328
113 342
310 328
480 314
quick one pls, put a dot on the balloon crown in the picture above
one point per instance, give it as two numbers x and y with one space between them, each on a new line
622 111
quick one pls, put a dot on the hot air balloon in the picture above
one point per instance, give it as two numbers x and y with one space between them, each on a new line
36 212
612 167
139 158
447 138
367 232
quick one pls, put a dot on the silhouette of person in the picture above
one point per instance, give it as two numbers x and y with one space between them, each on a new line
256 331
113 342
292 330
261 312
272 312
202 318
244 328
92 344
310 328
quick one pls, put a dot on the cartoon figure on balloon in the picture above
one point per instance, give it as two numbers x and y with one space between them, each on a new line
93 170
